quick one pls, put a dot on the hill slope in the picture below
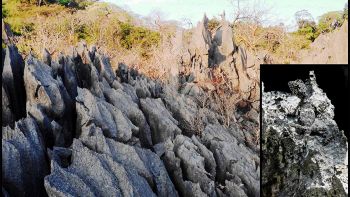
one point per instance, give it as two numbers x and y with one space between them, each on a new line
331 48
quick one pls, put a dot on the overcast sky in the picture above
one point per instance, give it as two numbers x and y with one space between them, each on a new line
280 10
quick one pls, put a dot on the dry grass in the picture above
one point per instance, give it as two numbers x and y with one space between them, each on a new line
282 46
56 28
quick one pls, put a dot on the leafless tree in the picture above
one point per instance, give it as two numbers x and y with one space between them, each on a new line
187 23
249 10
157 17
304 18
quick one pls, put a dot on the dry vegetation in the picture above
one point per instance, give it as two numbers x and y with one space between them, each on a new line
55 27
126 39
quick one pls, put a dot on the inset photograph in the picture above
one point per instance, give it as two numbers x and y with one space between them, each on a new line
305 130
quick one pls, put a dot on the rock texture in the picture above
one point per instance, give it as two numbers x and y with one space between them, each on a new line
215 56
87 130
113 168
24 162
13 85
304 152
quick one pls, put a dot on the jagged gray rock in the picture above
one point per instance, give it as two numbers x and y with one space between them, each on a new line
130 90
163 125
124 103
236 162
7 115
91 109
214 54
104 68
304 151
118 134
13 83
200 44
123 170
48 102
183 109
86 72
194 163
145 87
42 89
46 57
173 165
68 75
23 159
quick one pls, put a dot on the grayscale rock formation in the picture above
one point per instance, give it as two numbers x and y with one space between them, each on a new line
24 162
87 130
12 69
208 52
304 152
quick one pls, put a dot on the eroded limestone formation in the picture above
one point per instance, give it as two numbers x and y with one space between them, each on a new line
88 130
217 54
304 152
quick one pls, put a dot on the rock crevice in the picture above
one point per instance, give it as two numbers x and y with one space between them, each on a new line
90 131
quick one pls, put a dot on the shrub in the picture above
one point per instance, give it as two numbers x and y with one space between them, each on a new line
213 24
272 38
4 11
64 2
20 15
291 44
255 37
35 25
309 32
132 36
79 4
81 32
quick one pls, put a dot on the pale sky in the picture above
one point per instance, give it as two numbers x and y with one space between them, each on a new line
280 10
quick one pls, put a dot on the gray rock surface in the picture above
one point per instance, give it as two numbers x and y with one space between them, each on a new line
92 131
304 152
7 114
48 102
163 125
112 121
214 55
236 163
12 82
145 87
123 170
23 159
184 109
193 160
125 103
85 71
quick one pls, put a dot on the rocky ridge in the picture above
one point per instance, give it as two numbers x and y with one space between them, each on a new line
215 56
304 152
88 130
